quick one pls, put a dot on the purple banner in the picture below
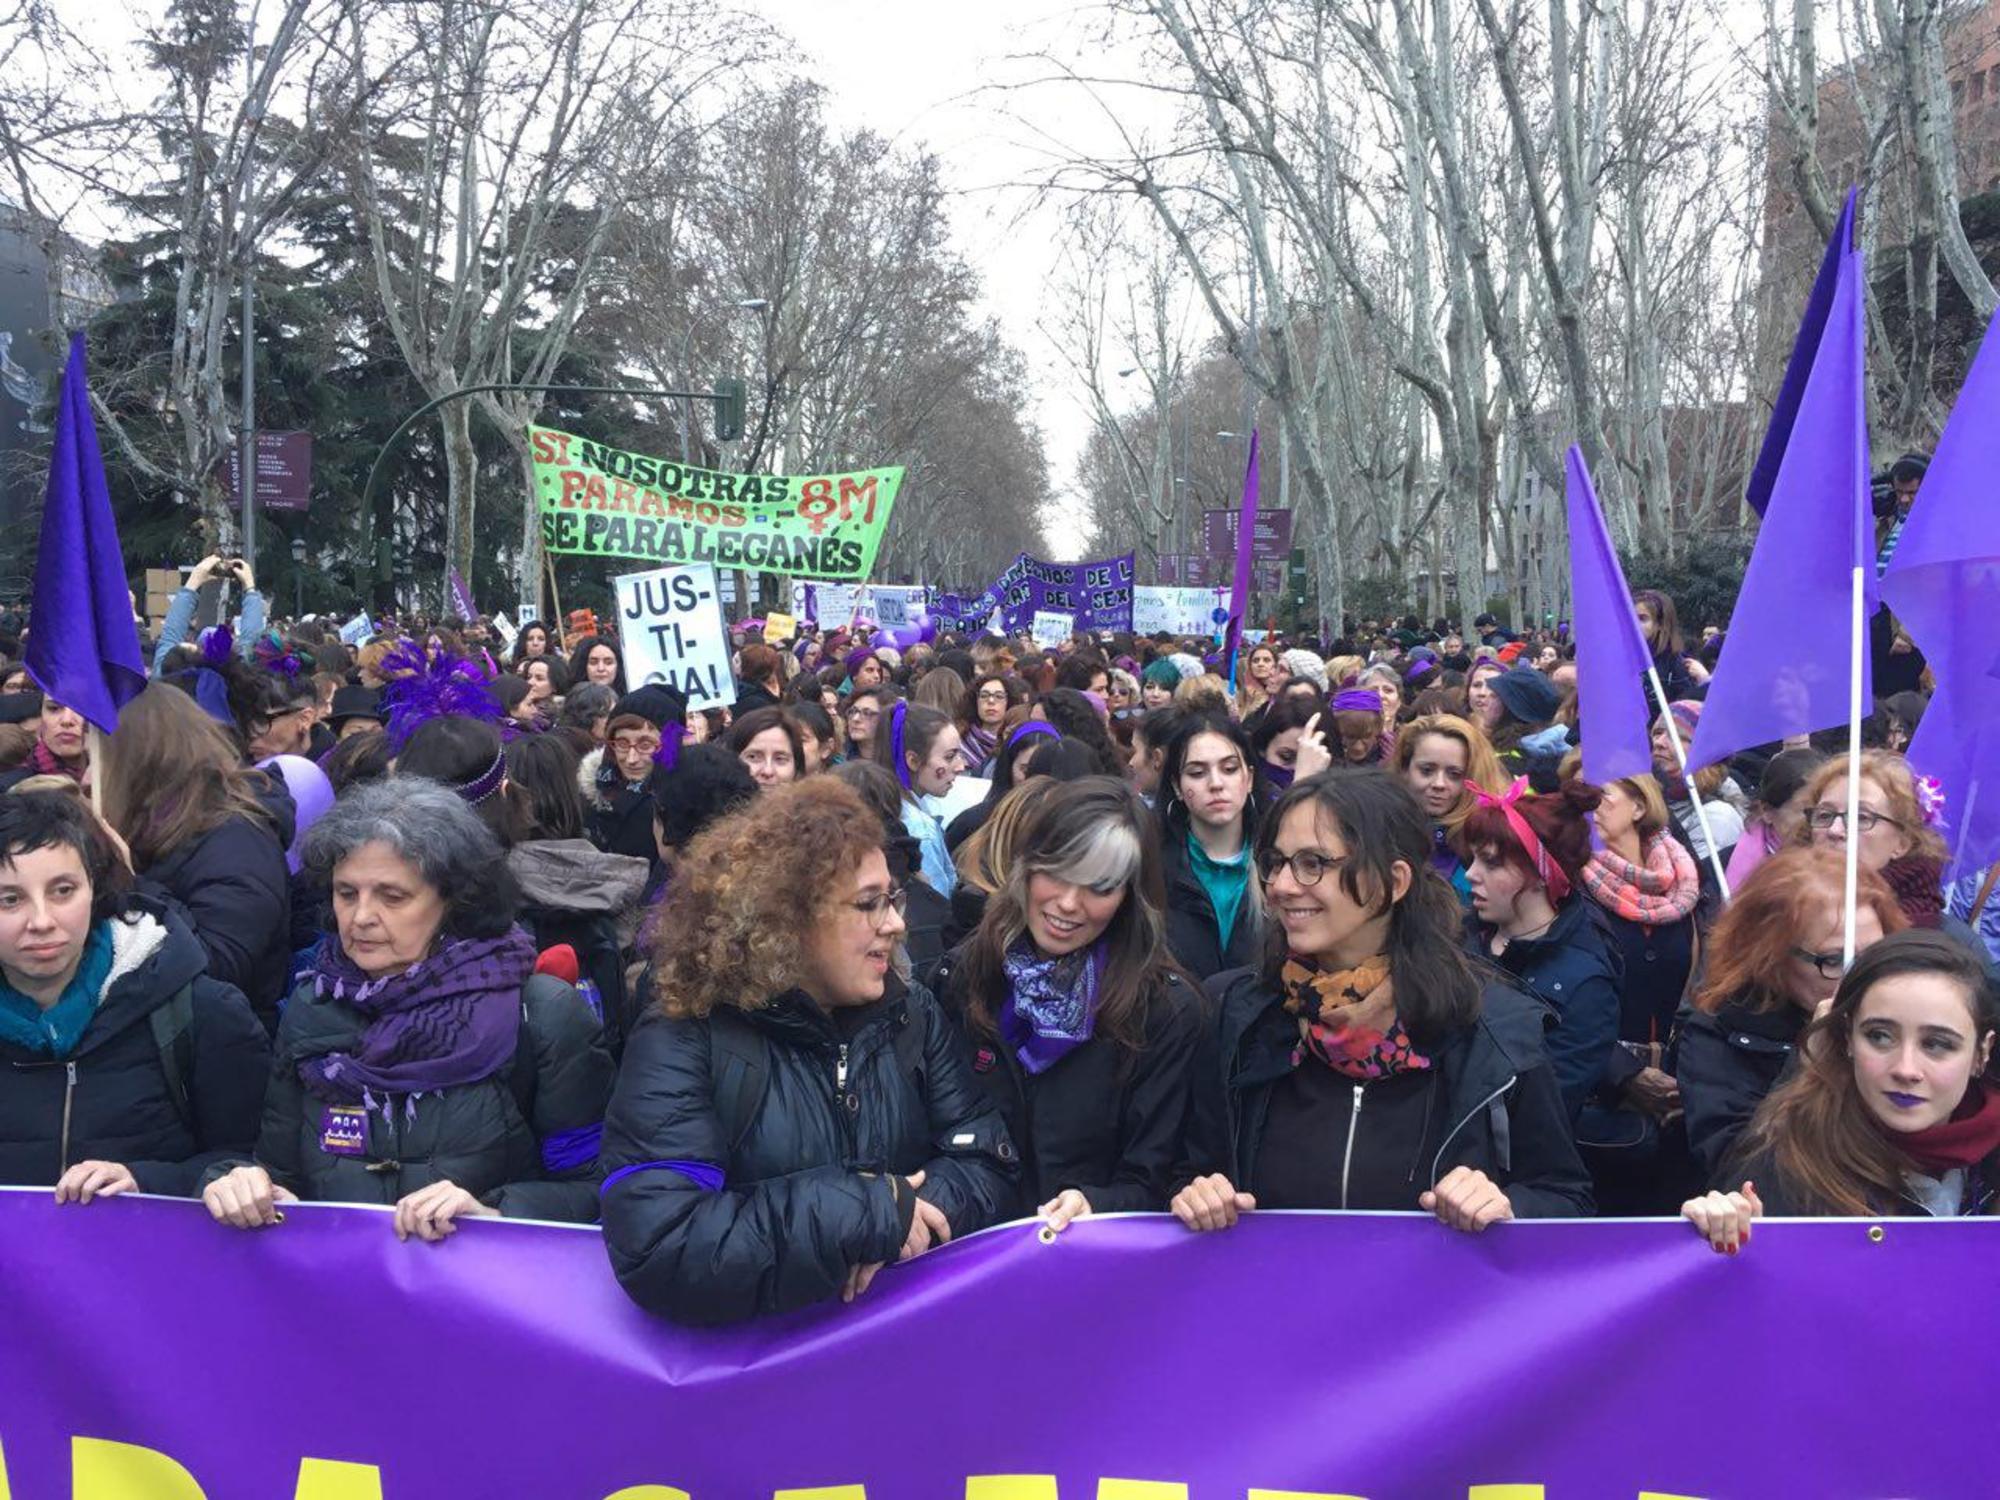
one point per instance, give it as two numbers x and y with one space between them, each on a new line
1305 1355
284 471
1270 535
461 596
1097 595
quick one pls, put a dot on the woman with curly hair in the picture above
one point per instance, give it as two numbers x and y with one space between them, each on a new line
1893 829
792 1117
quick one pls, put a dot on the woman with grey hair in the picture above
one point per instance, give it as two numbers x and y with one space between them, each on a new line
1085 1030
423 1062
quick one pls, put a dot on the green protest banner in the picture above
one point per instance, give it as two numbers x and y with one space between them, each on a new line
609 503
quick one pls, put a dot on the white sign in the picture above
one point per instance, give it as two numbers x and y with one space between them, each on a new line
899 604
1177 611
1052 629
508 634
833 604
529 614
670 622
357 630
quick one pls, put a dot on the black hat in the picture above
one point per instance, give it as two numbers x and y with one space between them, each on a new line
1527 695
18 708
355 703
1483 621
657 704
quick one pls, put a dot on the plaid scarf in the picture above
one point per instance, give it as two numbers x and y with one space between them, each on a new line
1661 891
449 1019
1347 1018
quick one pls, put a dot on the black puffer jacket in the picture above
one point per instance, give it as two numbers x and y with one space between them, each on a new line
235 889
1191 923
747 1152
1110 1124
113 1098
521 1141
1725 1064
1488 1101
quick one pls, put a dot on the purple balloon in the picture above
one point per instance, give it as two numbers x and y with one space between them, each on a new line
312 795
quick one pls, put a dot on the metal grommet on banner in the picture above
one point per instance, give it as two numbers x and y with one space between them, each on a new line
278 1216
1046 1234
1875 1234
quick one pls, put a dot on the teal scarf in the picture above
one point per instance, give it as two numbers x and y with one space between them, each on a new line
56 1031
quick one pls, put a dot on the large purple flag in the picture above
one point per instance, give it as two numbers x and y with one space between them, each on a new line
1944 585
83 645
1805 349
335 1363
1786 660
1611 655
1239 590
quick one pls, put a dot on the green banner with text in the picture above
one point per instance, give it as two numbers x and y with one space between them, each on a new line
608 503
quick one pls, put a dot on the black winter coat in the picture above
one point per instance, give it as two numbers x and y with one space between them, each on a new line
1488 1101
1657 961
236 891
1576 969
1782 1200
746 1151
112 1098
1725 1064
618 819
1108 1123
510 1140
1192 932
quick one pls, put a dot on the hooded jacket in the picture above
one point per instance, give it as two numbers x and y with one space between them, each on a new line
523 1140
235 889
113 1098
748 1152
1110 1123
1489 1101
618 818
1575 969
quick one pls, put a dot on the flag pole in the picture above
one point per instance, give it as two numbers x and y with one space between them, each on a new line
1856 628
94 748
1680 754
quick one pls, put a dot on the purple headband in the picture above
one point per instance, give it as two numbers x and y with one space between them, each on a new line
1357 700
485 784
897 715
1033 726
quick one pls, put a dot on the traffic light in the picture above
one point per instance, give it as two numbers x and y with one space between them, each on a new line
729 403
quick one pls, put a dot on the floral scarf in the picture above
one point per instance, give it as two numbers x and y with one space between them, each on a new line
1661 891
1051 1004
1347 1018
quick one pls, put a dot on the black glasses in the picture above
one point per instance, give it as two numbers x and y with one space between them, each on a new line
876 908
1308 866
1829 965
1820 819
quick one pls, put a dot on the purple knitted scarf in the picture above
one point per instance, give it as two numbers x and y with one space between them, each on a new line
449 1019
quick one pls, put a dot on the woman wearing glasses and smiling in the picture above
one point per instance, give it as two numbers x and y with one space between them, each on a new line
792 1116
1368 1064
1896 839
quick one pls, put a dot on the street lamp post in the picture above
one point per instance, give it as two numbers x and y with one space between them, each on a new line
298 578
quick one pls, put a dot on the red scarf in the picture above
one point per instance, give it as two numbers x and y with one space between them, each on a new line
46 763
1919 887
1970 1136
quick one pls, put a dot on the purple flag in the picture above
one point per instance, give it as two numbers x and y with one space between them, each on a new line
83 645
1611 654
1239 590
461 596
1790 649
1805 349
1943 583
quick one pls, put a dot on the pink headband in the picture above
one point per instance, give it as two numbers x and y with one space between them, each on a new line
1546 870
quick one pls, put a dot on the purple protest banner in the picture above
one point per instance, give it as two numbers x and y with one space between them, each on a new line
461 596
150 1351
1097 595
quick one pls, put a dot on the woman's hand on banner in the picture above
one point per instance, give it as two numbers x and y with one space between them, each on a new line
88 1180
857 1281
429 1212
1723 1219
245 1199
1467 1200
1060 1210
1211 1202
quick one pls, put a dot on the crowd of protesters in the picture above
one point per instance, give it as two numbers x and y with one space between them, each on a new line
905 943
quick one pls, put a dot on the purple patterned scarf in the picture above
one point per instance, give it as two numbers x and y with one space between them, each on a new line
449 1019
1051 1004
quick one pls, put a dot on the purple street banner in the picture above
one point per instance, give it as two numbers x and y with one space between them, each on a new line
284 471
461 596
152 1353
1270 535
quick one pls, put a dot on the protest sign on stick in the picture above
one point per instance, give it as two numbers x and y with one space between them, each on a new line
1051 629
670 622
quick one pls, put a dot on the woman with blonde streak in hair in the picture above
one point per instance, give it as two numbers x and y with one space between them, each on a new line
1087 1032
1439 757
985 858
793 1117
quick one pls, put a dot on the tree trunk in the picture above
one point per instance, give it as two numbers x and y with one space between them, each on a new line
461 462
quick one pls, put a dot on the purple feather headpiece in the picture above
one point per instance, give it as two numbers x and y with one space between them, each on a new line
273 656
218 644
672 736
422 686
